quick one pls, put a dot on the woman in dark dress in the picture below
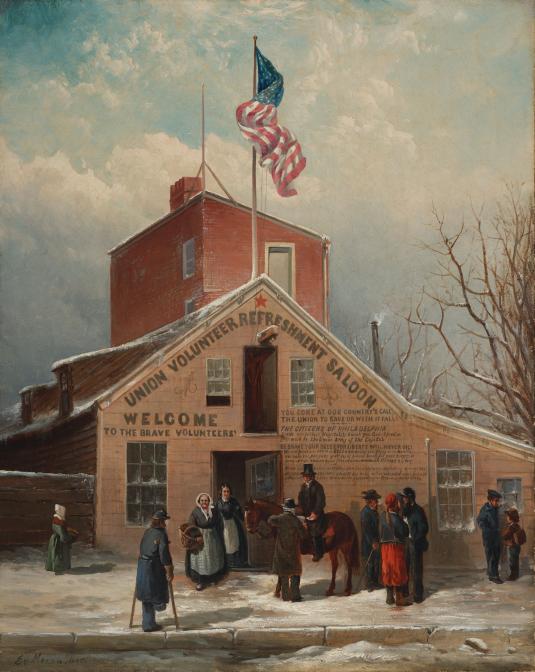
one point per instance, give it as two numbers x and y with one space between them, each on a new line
233 532
207 565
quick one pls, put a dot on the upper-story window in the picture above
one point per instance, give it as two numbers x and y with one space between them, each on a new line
188 258
218 382
189 306
280 265
302 381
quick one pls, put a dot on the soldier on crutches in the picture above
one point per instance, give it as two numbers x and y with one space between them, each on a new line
154 574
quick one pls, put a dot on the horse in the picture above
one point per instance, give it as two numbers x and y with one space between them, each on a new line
340 535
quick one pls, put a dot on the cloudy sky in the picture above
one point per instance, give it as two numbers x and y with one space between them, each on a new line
398 104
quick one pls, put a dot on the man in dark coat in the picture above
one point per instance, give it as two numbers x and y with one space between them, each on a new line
154 571
416 544
488 521
369 519
287 554
312 502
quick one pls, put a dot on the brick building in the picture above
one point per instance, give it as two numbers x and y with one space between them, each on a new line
212 396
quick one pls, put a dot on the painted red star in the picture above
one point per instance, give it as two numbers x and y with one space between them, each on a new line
260 301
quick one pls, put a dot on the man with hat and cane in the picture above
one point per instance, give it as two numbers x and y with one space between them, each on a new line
287 554
416 544
370 550
311 499
488 521
154 573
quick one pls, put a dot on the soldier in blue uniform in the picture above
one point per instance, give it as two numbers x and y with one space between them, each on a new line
154 571
488 521
370 549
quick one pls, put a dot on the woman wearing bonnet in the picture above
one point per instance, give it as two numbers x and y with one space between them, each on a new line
208 564
59 546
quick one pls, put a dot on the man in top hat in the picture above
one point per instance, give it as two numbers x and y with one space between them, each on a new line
312 502
370 550
154 571
416 544
287 554
488 521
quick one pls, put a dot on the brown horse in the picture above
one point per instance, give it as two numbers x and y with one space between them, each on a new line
340 535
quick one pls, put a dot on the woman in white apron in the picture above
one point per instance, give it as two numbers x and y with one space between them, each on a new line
208 565
233 532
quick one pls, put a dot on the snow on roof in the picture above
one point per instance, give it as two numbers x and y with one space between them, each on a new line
39 474
221 199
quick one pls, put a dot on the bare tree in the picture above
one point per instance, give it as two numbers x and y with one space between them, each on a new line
483 311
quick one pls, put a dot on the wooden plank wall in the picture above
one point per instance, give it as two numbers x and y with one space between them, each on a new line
69 448
27 505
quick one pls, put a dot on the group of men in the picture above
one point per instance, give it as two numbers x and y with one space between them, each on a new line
404 527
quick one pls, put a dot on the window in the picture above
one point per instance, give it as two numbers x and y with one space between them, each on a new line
302 382
511 489
218 382
146 477
455 486
188 258
189 306
280 266
260 390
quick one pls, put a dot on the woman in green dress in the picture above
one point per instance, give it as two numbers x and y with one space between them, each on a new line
59 547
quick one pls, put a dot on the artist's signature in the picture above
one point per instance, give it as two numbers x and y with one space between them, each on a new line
38 658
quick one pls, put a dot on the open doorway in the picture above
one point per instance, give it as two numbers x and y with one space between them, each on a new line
250 474
260 398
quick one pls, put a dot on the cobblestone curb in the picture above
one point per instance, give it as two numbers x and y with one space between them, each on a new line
442 638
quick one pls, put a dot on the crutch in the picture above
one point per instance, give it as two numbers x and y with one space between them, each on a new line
173 603
133 609
364 570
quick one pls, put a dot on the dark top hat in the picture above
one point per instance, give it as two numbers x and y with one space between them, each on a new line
408 492
288 503
161 514
308 470
494 494
371 494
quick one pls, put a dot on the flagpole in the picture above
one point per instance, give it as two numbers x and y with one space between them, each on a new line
203 164
254 268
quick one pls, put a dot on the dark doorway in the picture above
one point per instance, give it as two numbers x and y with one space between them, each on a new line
250 474
260 400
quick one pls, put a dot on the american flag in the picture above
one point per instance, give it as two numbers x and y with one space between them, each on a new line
277 147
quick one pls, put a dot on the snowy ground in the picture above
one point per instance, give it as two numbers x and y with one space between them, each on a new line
359 657
97 596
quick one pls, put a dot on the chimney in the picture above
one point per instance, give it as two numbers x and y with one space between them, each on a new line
377 364
64 376
183 190
26 405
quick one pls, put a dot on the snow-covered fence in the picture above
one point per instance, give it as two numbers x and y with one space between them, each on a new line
27 504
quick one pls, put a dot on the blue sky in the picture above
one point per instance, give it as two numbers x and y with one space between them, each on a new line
397 104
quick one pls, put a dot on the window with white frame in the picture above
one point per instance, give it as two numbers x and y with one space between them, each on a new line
280 266
511 490
302 381
218 382
188 258
189 306
146 478
455 487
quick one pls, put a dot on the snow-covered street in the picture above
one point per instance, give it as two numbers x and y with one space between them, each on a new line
96 595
